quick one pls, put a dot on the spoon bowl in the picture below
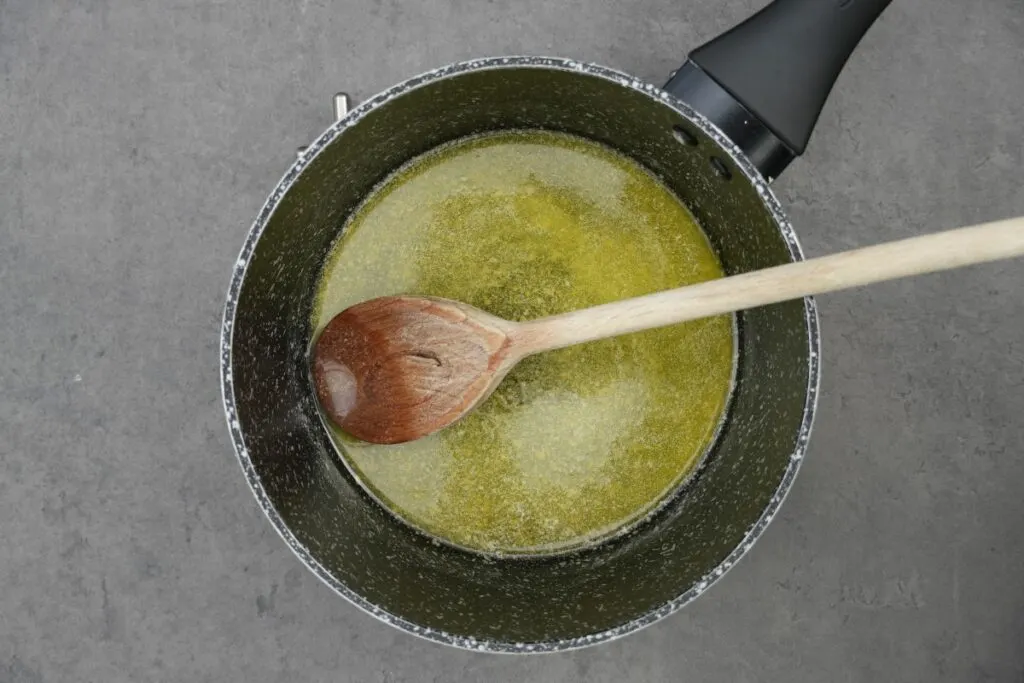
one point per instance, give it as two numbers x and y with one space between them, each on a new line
398 368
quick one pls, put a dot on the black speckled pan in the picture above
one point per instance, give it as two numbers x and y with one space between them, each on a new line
716 137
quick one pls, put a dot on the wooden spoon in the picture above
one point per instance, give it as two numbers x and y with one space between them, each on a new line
399 368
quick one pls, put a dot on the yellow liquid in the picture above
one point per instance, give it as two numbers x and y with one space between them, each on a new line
575 444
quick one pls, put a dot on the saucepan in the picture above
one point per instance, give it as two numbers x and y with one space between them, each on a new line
727 123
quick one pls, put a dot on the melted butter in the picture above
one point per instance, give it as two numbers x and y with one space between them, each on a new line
575 444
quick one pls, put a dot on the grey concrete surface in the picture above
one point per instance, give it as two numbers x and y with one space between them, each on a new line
138 139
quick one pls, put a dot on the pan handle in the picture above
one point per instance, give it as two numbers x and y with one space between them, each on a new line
764 82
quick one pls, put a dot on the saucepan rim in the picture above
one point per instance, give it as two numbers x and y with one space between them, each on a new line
256 230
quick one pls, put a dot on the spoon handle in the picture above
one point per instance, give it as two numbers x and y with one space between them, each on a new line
888 261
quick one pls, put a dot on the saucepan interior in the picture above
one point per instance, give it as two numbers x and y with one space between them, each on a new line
432 589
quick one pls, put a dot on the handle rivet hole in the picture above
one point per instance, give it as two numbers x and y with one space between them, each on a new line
720 168
684 136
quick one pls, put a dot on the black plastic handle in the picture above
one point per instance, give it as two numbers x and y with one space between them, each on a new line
781 64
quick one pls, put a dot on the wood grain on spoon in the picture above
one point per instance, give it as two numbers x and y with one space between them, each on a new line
398 368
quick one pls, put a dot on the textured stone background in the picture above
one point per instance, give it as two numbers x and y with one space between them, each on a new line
138 139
